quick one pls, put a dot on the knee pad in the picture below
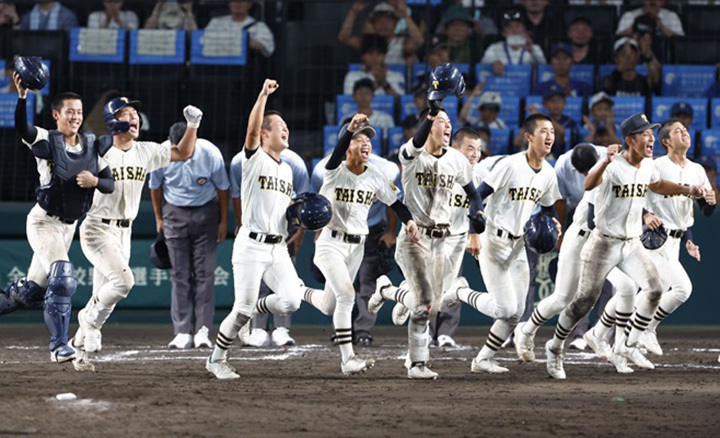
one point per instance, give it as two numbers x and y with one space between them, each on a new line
61 281
21 294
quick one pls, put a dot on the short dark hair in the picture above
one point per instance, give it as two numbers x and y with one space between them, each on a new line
485 129
177 131
464 133
664 131
372 42
266 118
583 157
531 121
59 101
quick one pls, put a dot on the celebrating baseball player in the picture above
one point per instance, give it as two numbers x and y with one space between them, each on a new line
259 251
623 180
71 168
430 171
351 185
517 184
105 234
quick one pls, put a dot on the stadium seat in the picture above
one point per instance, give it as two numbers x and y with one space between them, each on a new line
710 142
395 138
661 109
625 106
500 141
715 113
687 80
515 81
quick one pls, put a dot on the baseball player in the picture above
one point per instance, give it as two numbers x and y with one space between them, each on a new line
106 232
71 168
517 184
259 251
468 142
623 180
676 214
431 169
351 186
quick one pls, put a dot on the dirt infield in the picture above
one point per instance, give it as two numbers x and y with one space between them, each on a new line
142 389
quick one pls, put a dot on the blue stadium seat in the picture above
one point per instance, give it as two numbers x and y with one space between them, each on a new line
407 107
346 106
687 80
8 102
395 138
710 142
573 108
579 72
625 106
330 133
715 112
515 81
661 110
500 141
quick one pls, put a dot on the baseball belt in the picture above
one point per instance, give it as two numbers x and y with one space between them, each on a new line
347 238
270 239
677 234
122 223
435 233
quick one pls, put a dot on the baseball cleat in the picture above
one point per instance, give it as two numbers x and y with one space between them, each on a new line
221 369
578 344
82 362
92 341
376 300
181 341
446 341
281 337
634 354
554 362
258 338
450 297
356 365
524 344
621 365
202 338
400 314
487 365
421 371
600 346
649 340
62 353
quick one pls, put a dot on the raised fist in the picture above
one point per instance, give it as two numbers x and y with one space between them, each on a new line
193 115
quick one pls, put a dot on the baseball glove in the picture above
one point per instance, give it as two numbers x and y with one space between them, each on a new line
653 239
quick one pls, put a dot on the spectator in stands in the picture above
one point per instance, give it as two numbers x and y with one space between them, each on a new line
601 121
684 113
363 96
651 49
12 88
710 166
714 89
561 62
625 80
48 15
554 101
420 100
489 104
517 48
8 16
485 134
438 55
483 24
384 21
666 20
373 67
580 33
166 15
541 25
260 37
409 126
464 45
113 17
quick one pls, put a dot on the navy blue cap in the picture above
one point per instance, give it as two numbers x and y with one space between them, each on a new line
553 89
561 47
636 123
681 108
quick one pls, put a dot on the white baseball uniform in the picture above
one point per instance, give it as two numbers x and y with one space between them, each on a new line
106 232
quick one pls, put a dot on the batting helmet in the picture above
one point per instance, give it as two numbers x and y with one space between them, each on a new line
159 256
541 234
33 73
653 239
111 108
445 80
310 210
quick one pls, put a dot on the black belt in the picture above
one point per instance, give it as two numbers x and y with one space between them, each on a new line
122 223
266 238
676 233
503 233
582 233
65 221
348 238
436 233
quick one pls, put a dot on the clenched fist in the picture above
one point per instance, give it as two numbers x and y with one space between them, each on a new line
193 115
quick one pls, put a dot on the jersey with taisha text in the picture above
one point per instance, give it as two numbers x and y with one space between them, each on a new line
460 203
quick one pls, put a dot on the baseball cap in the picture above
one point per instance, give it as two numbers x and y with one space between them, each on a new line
367 130
456 13
707 162
383 9
580 19
600 97
622 41
553 90
644 24
364 82
490 99
561 47
636 123
681 108
511 15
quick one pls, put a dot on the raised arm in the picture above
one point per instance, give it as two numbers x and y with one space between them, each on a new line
27 132
343 143
252 139
594 176
186 147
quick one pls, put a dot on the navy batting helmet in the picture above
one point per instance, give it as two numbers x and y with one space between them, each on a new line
310 210
541 234
445 80
33 73
111 108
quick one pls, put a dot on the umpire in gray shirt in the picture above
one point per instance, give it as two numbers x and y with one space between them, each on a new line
190 199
